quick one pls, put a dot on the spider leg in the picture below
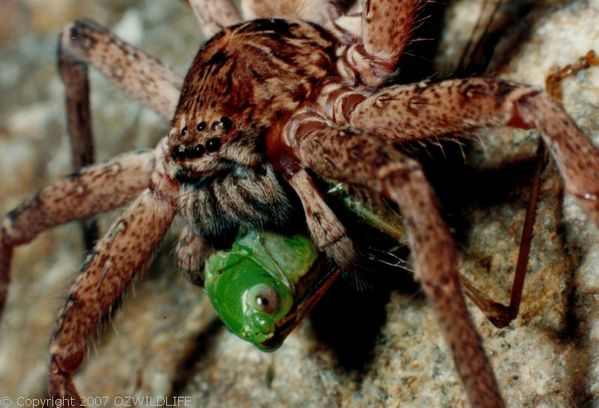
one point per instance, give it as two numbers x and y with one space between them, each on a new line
139 74
215 15
424 110
361 159
386 29
106 274
74 75
316 11
82 42
327 232
192 250
92 190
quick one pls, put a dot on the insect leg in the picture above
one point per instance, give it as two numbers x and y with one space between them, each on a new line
106 274
361 159
94 189
215 15
498 313
139 74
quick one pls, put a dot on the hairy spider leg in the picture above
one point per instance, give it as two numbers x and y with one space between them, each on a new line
322 12
327 232
74 75
140 75
358 158
385 33
191 251
433 109
145 78
427 110
92 190
108 271
501 315
214 15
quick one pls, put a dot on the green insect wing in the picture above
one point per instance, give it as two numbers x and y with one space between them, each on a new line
252 286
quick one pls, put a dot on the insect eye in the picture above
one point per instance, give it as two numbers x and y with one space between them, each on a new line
263 298
212 145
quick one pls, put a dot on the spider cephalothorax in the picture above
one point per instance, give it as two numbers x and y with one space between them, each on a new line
256 73
265 105
244 81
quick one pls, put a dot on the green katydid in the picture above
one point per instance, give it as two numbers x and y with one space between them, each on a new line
267 282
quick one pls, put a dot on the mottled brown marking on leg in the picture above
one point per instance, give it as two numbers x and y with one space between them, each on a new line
445 107
106 274
463 105
576 156
93 190
326 230
141 75
386 29
355 158
74 75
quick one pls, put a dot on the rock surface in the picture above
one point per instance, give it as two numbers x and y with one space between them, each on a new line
163 339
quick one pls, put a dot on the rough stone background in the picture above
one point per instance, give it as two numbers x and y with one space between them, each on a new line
164 341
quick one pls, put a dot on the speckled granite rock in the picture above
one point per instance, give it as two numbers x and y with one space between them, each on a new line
163 340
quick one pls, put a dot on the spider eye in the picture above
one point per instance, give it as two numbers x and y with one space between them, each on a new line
226 123
212 145
201 126
197 151
178 152
184 131
263 298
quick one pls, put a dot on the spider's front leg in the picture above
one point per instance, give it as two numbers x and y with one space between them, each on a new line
106 274
361 159
427 110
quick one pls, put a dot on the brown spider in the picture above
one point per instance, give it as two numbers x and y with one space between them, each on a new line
216 150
